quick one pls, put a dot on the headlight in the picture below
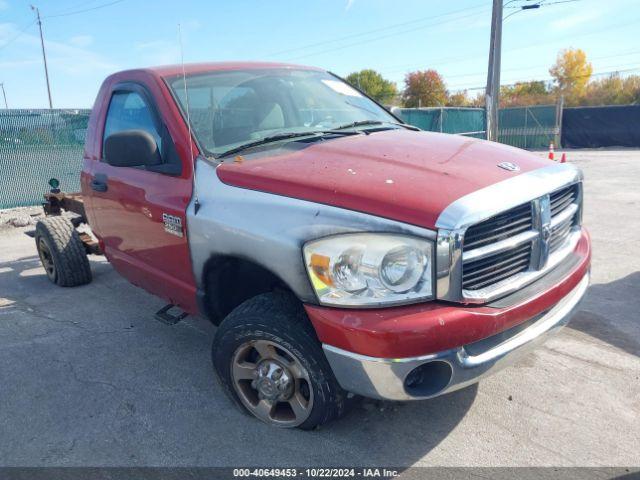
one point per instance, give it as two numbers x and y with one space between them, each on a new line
370 269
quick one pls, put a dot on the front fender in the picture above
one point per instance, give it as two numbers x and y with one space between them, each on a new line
269 229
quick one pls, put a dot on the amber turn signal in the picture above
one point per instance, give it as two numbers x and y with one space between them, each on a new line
320 267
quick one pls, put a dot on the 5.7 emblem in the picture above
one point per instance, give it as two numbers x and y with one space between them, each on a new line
512 167
172 224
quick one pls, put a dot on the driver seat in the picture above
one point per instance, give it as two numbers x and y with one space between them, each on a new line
269 117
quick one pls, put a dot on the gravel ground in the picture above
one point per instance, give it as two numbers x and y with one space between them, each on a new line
88 376
20 217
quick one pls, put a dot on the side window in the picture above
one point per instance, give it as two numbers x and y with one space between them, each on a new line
129 111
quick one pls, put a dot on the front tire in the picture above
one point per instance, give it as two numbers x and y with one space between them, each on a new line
270 363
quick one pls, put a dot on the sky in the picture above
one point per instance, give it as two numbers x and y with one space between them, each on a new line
87 40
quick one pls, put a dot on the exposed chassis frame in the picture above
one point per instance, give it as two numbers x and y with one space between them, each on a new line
55 202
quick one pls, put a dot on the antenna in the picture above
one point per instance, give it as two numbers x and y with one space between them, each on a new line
196 200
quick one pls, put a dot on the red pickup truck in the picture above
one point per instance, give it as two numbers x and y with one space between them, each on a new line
340 251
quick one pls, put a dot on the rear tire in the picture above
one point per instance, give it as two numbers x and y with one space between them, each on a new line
269 361
62 252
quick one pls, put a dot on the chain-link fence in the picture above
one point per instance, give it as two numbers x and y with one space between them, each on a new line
36 145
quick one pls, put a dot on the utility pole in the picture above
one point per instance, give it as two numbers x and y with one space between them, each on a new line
492 95
4 94
44 55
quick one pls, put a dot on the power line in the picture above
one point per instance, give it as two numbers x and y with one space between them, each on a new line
548 79
450 60
76 12
377 30
522 8
558 2
75 6
636 52
342 47
18 35
539 3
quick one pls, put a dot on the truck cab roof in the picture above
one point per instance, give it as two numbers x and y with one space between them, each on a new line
196 68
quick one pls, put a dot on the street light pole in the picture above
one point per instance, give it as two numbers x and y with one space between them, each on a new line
44 55
492 94
4 94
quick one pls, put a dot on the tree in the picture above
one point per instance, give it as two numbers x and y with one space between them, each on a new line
634 84
424 88
613 90
459 99
571 73
374 85
479 101
525 93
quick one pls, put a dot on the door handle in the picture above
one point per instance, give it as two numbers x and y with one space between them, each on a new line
99 186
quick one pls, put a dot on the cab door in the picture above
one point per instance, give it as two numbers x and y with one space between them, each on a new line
140 212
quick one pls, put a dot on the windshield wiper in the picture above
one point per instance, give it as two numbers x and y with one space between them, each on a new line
282 136
264 140
405 125
361 123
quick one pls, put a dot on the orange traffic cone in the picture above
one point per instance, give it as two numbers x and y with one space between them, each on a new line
563 159
551 156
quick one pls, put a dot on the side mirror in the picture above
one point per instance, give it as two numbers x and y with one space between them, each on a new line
131 148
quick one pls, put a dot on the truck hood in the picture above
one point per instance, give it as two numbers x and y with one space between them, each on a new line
402 175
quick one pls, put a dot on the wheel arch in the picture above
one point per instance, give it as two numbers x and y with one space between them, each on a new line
229 280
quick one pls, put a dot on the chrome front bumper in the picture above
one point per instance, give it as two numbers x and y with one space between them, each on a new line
444 372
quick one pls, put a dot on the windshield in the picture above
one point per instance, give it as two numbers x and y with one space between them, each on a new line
231 108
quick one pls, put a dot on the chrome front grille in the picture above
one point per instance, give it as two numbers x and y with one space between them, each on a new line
485 236
518 240
564 209
499 228
489 270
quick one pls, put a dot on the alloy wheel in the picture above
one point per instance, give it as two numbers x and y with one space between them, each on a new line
272 383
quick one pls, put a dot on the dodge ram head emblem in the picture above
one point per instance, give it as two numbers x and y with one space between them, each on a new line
512 167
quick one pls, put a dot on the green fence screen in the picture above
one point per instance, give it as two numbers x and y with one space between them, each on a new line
36 145
529 127
463 121
525 127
